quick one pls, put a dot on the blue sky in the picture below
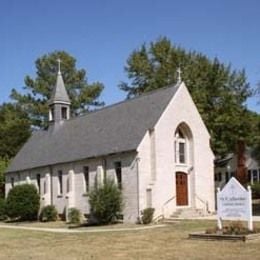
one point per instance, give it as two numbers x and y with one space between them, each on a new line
101 34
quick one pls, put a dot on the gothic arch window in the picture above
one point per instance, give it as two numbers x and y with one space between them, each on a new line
182 145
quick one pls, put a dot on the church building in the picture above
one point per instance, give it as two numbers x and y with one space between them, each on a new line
155 147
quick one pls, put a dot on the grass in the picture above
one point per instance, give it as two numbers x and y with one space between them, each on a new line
170 242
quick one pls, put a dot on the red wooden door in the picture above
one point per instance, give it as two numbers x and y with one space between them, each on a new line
181 189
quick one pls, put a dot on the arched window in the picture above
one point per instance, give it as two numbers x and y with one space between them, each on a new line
181 156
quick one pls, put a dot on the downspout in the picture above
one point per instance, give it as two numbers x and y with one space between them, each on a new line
138 192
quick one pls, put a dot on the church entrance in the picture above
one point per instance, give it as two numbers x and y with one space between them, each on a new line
181 189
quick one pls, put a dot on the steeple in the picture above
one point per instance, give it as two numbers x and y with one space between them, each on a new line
59 103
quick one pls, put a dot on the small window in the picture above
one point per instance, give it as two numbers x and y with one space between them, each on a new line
180 147
118 169
181 152
12 182
64 113
86 178
68 183
38 179
249 176
60 182
255 176
226 177
44 187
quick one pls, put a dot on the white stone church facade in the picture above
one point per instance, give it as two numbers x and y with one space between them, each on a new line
156 148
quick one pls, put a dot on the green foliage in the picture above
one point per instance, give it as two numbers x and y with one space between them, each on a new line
74 216
218 91
48 213
23 202
82 94
256 190
3 166
106 202
147 215
2 209
14 130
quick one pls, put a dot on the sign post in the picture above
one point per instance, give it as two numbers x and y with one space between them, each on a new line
234 202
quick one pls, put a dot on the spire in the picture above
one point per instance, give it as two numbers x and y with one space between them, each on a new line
59 93
59 103
179 80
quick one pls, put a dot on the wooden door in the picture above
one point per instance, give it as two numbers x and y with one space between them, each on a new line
181 189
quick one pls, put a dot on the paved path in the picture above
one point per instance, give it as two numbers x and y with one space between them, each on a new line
83 230
214 217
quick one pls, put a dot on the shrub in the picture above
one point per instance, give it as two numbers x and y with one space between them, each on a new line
147 215
74 216
48 213
2 209
23 202
106 203
256 190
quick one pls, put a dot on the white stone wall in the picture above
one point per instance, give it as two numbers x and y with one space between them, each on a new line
200 178
76 196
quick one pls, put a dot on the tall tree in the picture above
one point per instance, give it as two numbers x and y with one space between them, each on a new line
218 91
84 96
14 131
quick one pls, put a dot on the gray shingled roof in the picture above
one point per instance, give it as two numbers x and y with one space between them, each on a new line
113 129
59 93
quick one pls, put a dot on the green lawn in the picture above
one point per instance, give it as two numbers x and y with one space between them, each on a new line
170 242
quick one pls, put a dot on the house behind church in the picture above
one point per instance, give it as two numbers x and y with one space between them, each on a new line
155 146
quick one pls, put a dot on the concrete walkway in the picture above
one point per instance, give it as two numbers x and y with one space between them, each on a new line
81 230
214 217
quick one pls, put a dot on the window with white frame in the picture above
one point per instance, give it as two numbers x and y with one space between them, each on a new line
60 184
86 178
180 148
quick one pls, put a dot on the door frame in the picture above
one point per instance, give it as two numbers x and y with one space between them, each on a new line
188 189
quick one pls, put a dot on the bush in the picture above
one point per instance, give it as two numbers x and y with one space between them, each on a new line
147 215
2 209
106 203
23 202
48 213
74 216
256 190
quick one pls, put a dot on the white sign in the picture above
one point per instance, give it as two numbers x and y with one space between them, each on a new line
234 202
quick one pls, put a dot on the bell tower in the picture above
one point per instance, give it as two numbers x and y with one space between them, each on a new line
59 103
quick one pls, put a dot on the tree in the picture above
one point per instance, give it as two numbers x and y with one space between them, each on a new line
3 166
218 91
14 131
83 95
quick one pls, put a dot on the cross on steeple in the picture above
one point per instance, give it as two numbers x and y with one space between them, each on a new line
59 62
178 75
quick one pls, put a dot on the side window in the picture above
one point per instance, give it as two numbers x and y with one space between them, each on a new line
180 148
38 179
64 113
118 170
12 182
86 178
60 185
